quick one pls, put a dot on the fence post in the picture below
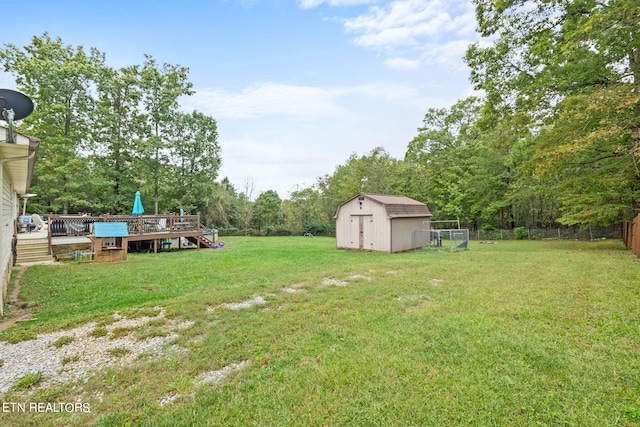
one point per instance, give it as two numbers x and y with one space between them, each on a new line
631 235
635 235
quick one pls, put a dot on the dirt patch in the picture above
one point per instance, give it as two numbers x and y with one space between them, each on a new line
18 310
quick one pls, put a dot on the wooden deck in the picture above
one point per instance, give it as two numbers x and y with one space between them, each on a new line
152 228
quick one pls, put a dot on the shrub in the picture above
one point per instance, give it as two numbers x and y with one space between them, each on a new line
317 228
521 233
227 231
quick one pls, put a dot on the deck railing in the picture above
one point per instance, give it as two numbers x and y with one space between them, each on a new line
77 225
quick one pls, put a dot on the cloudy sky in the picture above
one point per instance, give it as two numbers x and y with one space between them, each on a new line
296 86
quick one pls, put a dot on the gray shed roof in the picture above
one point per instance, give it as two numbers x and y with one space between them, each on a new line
396 206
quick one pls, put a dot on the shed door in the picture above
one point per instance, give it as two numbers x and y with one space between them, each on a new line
361 232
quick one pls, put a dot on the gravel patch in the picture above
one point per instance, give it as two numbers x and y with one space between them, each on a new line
216 377
436 282
83 355
258 300
414 298
359 277
213 378
333 282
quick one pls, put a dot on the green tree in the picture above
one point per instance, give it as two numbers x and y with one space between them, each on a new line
306 212
59 79
107 133
161 89
245 204
116 134
451 168
195 155
267 210
375 172
568 73
223 209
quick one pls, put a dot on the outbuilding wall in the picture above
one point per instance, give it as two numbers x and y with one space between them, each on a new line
111 254
403 229
376 233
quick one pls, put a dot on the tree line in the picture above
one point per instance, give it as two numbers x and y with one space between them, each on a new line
107 133
552 138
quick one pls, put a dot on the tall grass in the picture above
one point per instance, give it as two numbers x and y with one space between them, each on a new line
517 333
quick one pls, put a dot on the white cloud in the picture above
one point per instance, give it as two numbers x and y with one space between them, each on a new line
266 99
296 147
407 22
402 64
412 27
448 54
386 92
401 15
310 4
272 165
302 102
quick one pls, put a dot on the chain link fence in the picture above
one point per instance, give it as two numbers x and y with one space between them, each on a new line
551 233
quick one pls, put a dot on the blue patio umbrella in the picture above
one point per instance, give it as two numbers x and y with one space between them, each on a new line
137 205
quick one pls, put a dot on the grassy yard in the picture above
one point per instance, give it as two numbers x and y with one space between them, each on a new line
515 333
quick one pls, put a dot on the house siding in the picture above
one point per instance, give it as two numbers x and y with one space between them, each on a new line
16 166
9 211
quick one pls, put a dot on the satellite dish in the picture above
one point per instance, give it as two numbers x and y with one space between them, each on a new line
19 103
15 106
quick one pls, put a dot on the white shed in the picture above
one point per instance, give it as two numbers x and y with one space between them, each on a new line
383 223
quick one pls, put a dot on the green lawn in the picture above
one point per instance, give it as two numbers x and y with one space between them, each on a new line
515 333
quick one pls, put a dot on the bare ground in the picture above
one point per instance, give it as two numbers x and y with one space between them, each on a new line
18 310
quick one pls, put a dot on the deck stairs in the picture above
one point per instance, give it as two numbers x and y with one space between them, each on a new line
205 239
33 250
